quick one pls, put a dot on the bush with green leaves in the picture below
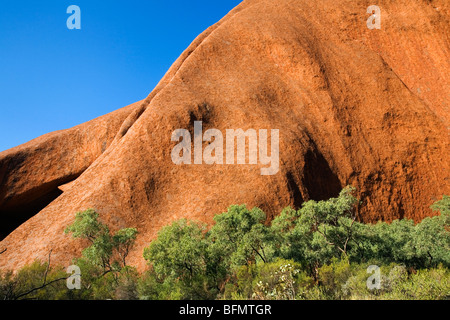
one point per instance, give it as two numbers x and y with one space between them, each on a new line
106 251
37 281
422 245
277 280
150 286
239 237
180 256
318 232
200 262
424 284
321 231
317 252
103 263
322 238
397 283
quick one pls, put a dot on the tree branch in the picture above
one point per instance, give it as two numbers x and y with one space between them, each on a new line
348 235
44 282
39 288
325 237
264 260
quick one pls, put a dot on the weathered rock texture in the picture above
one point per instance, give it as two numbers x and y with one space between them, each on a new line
354 106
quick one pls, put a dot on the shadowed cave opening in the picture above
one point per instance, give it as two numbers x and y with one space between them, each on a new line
13 217
318 182
318 177
21 210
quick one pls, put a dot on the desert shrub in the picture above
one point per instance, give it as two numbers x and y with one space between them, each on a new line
333 276
239 237
397 283
422 245
7 285
317 252
179 257
201 262
109 252
425 284
323 239
151 287
277 280
103 263
324 230
127 285
36 281
318 232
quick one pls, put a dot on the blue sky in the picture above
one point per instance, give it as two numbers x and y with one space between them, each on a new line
53 78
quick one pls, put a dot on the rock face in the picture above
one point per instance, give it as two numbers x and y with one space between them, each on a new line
354 106
34 174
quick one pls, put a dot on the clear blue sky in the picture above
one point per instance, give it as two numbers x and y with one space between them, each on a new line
53 78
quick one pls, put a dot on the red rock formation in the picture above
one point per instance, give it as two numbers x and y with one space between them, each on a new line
353 106
30 174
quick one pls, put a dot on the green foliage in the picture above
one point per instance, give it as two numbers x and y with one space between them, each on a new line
432 241
199 263
422 245
151 287
321 231
398 284
103 264
317 252
179 251
122 241
442 205
426 284
114 285
333 276
277 280
7 285
318 232
239 237
179 256
31 281
104 272
106 251
87 226
240 254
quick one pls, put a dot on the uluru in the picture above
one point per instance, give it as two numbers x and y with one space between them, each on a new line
352 105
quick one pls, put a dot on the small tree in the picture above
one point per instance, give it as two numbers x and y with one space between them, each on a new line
179 256
318 231
431 236
199 263
239 237
333 220
107 252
